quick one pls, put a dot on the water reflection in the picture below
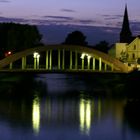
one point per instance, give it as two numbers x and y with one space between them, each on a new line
36 115
132 114
66 116
80 117
85 115
20 86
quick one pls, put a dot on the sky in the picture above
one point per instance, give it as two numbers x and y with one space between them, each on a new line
97 19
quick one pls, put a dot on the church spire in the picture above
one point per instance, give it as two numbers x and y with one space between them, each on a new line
125 34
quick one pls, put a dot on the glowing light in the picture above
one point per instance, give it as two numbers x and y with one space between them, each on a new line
88 57
8 53
38 56
36 115
35 54
85 116
83 55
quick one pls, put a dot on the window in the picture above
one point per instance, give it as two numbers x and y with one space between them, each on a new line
134 47
133 56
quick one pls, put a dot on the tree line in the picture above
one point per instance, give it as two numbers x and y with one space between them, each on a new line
78 38
16 37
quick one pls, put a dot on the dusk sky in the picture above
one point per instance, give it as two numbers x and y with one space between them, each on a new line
97 19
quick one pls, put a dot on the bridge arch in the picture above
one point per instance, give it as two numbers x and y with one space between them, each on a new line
91 54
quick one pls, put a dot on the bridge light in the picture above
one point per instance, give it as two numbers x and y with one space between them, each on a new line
38 56
35 54
36 115
8 53
83 55
88 56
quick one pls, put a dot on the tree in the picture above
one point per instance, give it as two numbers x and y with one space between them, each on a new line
75 38
17 37
102 46
123 56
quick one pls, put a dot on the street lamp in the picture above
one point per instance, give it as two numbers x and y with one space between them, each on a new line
36 57
88 57
8 53
35 54
82 57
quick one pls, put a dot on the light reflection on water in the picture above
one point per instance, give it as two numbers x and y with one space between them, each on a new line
85 108
85 115
81 117
36 115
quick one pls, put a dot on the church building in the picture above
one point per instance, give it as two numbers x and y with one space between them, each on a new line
128 49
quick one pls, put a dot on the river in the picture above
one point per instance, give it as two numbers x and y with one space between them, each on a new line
67 107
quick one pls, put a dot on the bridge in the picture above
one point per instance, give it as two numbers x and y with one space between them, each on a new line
62 58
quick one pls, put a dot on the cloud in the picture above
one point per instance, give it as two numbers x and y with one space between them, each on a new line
70 21
4 1
17 20
59 17
55 28
112 17
86 21
68 10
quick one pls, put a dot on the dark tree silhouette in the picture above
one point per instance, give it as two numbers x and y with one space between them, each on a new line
17 37
75 38
102 46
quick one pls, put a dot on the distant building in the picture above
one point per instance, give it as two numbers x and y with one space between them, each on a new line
126 34
128 49
127 52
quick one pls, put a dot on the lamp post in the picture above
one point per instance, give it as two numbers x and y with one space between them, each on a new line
36 60
8 53
88 57
82 57
38 56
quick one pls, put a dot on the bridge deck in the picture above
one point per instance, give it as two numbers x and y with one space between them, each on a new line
56 71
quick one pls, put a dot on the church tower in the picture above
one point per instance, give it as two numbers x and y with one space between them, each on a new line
125 34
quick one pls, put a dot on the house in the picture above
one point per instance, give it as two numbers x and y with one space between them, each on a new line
127 52
128 49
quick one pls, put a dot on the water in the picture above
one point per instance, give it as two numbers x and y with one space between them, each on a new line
65 107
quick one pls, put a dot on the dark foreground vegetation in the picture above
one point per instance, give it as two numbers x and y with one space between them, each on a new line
17 37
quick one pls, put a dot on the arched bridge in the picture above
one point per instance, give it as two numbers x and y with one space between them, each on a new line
63 58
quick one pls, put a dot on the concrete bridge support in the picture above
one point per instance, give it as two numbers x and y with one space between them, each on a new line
100 64
70 60
83 64
47 60
50 64
76 60
23 62
93 68
88 63
11 66
63 60
59 59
